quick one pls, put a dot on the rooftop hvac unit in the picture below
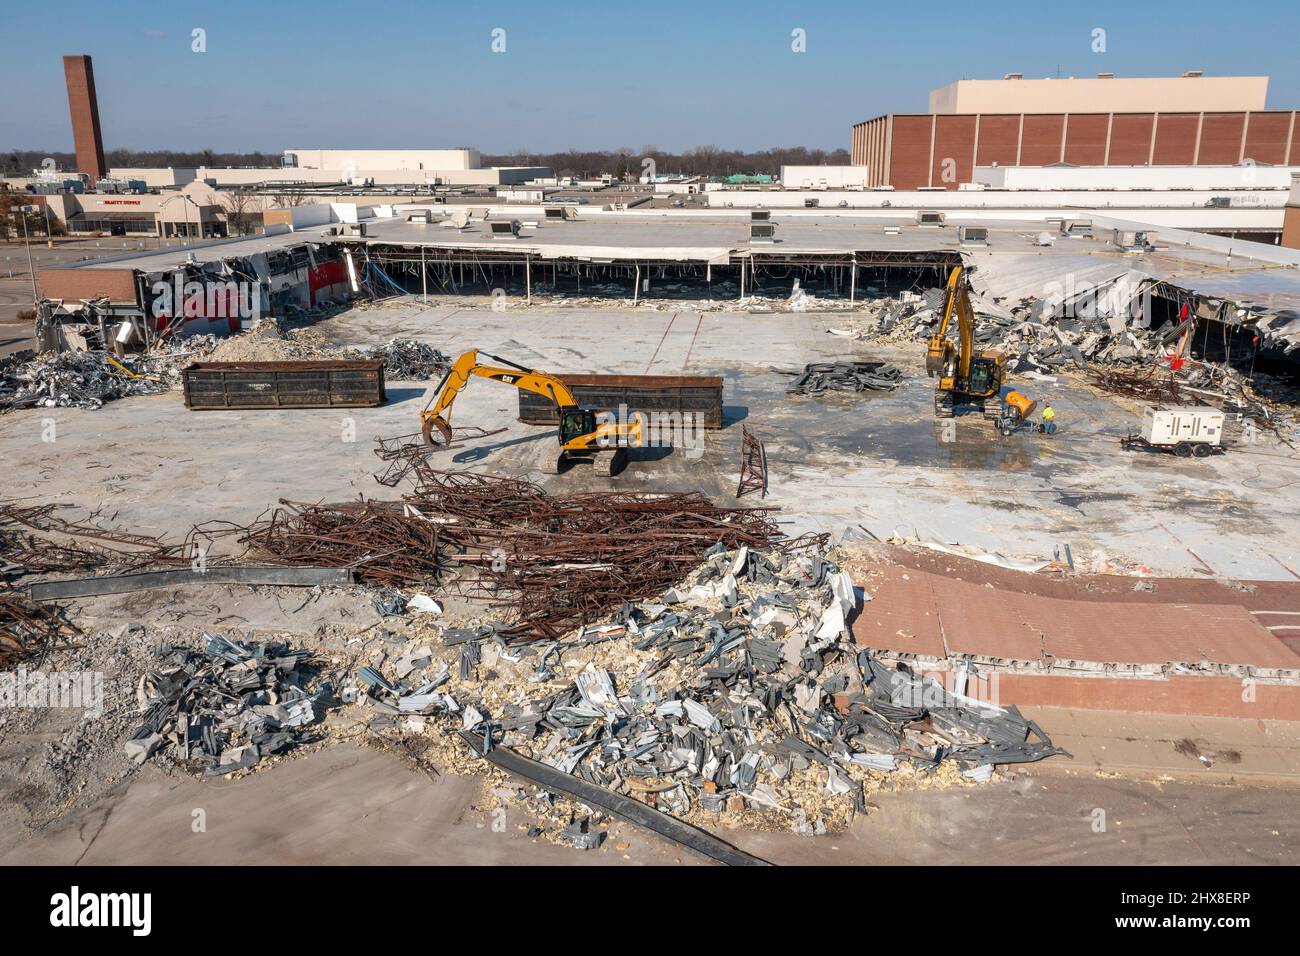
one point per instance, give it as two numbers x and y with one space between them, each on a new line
353 229
892 230
1218 202
1133 240
929 217
972 235
760 215
504 227
423 216
762 232
1077 228
554 212
812 202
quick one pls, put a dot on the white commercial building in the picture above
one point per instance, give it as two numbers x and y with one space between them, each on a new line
1241 176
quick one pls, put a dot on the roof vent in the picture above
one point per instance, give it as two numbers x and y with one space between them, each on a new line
1076 228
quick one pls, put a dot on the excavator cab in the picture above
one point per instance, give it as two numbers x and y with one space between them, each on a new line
985 375
576 423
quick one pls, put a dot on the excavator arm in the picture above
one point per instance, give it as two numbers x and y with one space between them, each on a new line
574 436
437 413
941 358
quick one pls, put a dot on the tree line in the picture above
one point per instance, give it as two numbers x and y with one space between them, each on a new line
20 162
700 161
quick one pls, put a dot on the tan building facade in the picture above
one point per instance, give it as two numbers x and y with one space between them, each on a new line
1190 93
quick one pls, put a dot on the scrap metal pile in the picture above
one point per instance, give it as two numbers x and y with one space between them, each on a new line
79 379
227 707
555 560
739 688
33 539
410 360
29 629
561 560
384 542
1196 384
818 377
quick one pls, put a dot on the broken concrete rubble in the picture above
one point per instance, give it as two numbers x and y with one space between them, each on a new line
739 687
226 708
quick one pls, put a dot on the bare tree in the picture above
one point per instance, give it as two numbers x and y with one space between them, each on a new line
239 211
290 199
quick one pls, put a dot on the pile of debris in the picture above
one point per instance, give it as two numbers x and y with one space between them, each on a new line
559 561
555 560
271 340
818 377
228 707
79 379
383 541
1196 383
410 360
1032 336
33 539
29 630
740 689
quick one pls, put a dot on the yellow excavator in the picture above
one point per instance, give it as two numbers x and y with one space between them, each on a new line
581 436
968 377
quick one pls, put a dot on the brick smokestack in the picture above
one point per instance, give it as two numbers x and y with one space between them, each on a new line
85 117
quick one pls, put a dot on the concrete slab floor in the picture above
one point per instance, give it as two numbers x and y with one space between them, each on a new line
879 461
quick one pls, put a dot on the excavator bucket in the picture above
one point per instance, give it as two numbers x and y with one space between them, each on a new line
436 431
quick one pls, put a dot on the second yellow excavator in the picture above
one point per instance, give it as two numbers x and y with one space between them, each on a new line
582 436
966 377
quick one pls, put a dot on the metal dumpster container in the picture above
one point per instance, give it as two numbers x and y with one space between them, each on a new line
294 384
701 394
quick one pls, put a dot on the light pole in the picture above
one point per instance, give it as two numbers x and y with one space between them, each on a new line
22 212
187 213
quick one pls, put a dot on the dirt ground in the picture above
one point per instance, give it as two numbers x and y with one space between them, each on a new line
859 467
348 804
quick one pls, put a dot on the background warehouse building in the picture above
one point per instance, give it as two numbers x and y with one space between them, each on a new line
1191 120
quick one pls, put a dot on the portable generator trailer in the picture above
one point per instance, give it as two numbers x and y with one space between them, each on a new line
1195 431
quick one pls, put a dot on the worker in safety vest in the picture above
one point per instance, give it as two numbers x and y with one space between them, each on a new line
1049 418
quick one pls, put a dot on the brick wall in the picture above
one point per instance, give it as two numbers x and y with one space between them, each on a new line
908 151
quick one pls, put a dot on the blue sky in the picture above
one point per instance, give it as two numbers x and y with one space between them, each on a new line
384 73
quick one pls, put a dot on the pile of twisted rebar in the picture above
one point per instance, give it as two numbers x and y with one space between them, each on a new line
29 629
558 561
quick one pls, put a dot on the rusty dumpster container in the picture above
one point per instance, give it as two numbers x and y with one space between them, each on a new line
291 384
700 394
